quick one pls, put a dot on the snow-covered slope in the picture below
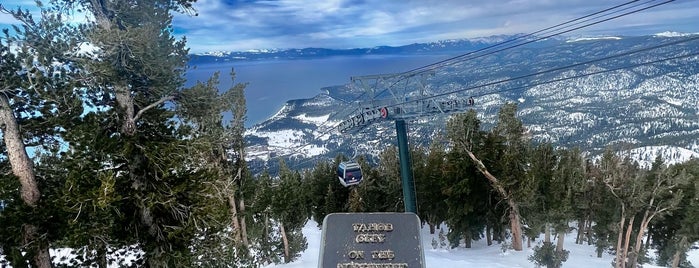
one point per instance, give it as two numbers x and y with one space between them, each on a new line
619 102
480 255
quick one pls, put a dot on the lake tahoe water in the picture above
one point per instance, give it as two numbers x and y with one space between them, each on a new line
273 82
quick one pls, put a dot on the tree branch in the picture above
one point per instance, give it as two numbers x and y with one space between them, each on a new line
152 105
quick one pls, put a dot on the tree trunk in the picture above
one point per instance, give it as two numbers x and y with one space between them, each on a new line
21 165
467 240
588 231
514 216
639 238
234 218
627 240
432 230
559 242
37 247
617 259
285 240
489 235
243 227
678 253
125 101
23 168
102 255
515 226
581 231
676 259
547 233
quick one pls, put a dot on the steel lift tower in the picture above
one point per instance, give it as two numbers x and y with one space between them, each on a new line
400 97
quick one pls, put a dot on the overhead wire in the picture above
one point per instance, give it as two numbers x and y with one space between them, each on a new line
592 15
583 18
464 57
461 58
557 69
685 40
627 53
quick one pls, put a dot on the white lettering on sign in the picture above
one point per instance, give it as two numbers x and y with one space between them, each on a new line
356 254
383 254
371 265
372 227
363 118
370 238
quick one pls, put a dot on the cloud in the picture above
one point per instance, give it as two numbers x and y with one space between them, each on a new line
242 25
235 25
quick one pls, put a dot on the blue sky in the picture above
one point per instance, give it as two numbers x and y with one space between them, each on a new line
238 25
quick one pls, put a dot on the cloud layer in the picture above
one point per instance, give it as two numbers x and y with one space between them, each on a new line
238 25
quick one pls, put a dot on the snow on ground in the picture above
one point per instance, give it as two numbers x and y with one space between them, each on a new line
480 255
672 34
646 155
311 119
593 38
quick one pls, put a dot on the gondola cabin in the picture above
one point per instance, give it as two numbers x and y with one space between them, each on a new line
349 173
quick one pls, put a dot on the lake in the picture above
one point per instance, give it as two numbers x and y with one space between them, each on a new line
273 82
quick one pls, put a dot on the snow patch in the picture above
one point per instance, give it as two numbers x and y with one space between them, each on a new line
671 154
672 101
593 39
479 255
312 119
671 34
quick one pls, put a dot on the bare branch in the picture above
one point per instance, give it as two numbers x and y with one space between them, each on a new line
152 105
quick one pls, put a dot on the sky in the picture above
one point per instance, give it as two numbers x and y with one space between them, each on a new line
241 25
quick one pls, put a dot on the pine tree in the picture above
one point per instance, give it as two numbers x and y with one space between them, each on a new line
152 137
320 179
287 205
673 234
382 189
466 190
508 143
429 184
36 103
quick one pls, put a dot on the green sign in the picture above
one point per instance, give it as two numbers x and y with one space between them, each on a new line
371 240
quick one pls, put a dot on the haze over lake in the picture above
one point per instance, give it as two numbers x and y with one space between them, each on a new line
273 82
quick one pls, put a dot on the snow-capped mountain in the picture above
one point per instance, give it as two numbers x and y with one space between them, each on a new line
444 46
646 99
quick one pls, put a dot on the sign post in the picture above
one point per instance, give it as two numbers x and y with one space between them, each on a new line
371 240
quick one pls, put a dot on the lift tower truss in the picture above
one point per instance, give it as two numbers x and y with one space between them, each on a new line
400 97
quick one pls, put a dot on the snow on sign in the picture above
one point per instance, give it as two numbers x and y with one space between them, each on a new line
371 240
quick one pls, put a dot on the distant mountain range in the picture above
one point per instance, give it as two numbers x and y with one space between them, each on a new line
650 108
446 46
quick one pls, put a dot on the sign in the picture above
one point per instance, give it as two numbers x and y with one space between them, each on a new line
371 240
364 118
405 110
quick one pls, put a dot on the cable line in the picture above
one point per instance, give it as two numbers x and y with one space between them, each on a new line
588 20
460 58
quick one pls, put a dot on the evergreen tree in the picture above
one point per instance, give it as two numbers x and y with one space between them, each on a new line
36 105
509 146
288 205
429 184
381 188
155 150
673 234
466 191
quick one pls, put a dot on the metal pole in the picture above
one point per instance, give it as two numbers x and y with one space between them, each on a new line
406 173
